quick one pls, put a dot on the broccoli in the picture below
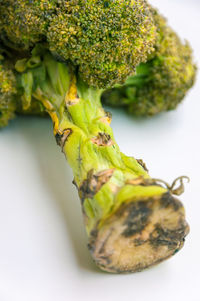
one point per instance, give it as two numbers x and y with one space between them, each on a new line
162 82
106 39
132 220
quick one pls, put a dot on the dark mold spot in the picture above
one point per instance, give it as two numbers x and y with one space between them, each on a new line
168 200
166 237
137 218
138 242
93 237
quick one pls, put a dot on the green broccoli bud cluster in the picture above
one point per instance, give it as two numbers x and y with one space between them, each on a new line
12 101
24 23
105 39
8 91
163 81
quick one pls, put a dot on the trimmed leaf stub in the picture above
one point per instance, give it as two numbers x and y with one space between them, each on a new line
62 136
94 182
139 235
103 139
141 162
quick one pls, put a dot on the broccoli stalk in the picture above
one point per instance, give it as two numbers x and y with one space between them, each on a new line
131 220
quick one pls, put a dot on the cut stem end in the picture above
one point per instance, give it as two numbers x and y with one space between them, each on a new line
139 235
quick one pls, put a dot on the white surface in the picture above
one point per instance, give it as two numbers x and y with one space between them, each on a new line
43 253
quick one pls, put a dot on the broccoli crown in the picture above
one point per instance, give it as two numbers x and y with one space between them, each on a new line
7 92
105 39
162 82
25 22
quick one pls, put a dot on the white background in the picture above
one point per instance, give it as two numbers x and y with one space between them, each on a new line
43 253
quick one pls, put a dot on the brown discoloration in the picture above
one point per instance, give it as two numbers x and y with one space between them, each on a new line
141 162
140 234
143 181
137 218
105 259
72 102
94 182
62 136
58 137
102 248
168 200
102 139
75 184
170 238
138 181
93 237
107 118
108 114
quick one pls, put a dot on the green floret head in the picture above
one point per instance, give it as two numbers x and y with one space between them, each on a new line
162 82
25 22
7 93
106 39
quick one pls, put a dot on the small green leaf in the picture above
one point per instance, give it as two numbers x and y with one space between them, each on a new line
20 65
27 84
34 62
39 75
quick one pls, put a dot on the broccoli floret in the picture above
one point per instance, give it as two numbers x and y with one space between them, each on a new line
105 39
25 22
8 91
161 83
